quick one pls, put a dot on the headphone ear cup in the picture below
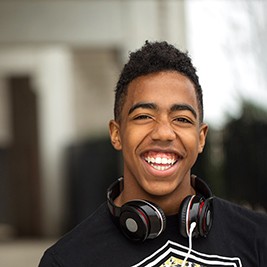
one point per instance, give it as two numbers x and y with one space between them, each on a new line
141 220
196 209
183 216
205 217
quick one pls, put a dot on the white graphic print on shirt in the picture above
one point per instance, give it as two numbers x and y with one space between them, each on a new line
172 255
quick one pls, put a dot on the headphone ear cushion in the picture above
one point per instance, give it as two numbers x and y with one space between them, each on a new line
141 220
162 218
184 216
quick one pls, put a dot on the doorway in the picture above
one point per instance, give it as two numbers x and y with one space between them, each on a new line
24 169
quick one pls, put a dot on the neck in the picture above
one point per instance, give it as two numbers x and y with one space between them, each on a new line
169 203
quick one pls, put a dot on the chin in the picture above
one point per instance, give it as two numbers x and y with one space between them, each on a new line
159 189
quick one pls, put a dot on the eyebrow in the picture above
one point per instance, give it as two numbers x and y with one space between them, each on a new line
177 107
142 105
152 106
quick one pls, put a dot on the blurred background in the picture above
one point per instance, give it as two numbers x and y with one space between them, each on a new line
59 63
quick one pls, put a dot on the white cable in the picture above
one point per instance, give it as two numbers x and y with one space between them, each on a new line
192 227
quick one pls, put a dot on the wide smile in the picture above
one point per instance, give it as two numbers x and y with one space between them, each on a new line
160 161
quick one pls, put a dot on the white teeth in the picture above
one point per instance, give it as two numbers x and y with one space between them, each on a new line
160 168
167 163
150 160
158 160
164 161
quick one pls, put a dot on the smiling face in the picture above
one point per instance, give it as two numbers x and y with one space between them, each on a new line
160 136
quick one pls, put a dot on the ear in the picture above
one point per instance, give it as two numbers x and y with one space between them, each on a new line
114 132
202 136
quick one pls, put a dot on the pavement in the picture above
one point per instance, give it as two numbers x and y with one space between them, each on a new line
22 253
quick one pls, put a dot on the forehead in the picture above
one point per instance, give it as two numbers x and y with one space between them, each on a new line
163 89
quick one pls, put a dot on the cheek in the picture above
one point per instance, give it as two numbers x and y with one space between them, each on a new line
128 140
191 141
133 139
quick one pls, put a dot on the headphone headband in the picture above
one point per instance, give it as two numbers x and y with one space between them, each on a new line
116 188
113 192
201 187
140 219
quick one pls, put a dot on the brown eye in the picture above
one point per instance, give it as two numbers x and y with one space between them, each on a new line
183 120
142 117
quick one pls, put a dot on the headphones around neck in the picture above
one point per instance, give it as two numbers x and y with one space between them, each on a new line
140 219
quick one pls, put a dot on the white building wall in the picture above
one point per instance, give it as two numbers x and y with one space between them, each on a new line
55 84
62 44
50 70
72 22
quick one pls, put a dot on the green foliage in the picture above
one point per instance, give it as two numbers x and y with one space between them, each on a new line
234 161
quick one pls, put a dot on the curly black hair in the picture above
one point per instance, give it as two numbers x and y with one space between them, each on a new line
151 58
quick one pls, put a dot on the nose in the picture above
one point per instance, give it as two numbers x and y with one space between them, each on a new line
163 131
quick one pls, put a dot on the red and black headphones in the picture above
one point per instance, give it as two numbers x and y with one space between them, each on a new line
140 219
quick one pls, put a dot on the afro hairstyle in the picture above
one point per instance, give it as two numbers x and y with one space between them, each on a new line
151 58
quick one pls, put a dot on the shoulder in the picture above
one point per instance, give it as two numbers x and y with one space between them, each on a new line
88 227
238 216
241 231
238 210
81 239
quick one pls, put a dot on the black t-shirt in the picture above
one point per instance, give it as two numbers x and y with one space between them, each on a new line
238 238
